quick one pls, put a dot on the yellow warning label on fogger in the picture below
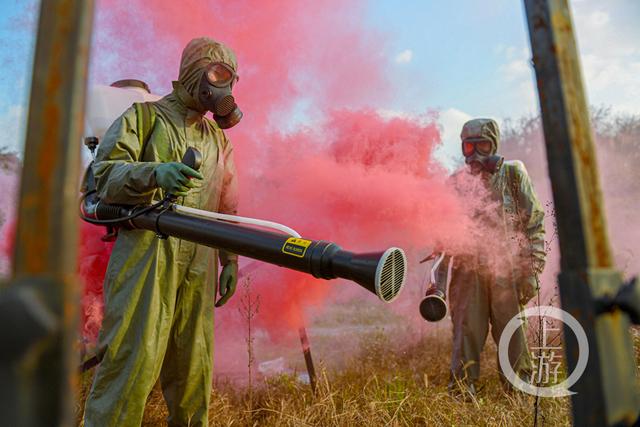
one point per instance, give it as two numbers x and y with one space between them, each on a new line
296 247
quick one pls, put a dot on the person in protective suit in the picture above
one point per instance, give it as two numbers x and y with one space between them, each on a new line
159 293
485 291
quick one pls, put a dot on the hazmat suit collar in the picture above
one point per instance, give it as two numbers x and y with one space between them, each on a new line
192 108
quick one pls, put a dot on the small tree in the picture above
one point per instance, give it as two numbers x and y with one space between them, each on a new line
249 308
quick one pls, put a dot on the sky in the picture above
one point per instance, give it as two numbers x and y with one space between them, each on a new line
460 58
472 59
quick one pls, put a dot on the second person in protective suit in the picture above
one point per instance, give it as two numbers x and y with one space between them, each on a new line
159 293
490 286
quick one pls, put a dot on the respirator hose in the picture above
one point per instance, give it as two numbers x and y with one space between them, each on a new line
119 220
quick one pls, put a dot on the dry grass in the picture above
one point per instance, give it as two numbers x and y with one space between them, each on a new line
374 376
384 383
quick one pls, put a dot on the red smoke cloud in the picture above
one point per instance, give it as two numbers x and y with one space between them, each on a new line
353 180
333 170
9 184
92 265
312 152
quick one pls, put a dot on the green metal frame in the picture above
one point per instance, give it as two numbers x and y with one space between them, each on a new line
607 393
38 309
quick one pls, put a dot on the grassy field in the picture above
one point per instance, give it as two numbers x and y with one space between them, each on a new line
389 378
377 386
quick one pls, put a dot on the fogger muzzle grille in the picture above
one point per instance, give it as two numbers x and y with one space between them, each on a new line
391 274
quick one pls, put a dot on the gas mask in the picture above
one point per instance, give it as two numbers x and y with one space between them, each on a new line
215 95
479 155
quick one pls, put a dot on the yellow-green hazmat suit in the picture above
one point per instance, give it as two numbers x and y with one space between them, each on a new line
481 297
159 294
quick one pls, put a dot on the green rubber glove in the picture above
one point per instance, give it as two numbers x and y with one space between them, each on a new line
228 281
175 178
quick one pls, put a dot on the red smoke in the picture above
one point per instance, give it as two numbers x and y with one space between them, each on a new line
9 184
92 265
354 180
8 233
311 151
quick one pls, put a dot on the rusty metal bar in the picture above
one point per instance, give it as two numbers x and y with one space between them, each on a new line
308 360
37 370
607 393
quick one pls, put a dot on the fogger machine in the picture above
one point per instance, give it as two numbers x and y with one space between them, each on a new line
383 273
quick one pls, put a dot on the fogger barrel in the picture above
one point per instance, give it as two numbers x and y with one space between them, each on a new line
433 307
383 273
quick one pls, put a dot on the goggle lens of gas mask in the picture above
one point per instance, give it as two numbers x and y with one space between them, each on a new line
483 146
221 75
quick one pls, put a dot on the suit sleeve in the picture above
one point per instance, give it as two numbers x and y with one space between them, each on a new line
121 177
229 195
531 215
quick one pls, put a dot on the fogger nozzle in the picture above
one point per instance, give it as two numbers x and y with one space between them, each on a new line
433 307
382 273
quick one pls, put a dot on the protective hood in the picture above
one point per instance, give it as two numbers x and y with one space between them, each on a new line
475 131
196 56
482 129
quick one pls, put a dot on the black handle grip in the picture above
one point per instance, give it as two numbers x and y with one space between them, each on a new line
192 158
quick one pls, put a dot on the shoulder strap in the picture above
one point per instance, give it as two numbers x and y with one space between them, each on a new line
514 189
511 178
145 120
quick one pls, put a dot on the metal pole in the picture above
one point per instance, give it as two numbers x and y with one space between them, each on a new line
607 393
306 351
39 307
302 333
